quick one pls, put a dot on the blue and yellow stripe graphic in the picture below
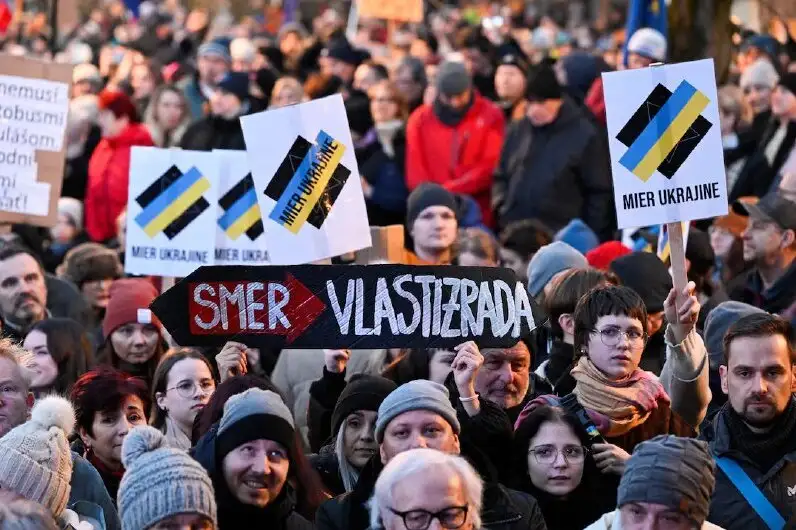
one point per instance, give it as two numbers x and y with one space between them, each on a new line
172 202
308 183
663 133
241 211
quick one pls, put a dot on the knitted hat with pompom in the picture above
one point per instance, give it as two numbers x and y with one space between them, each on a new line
160 482
35 459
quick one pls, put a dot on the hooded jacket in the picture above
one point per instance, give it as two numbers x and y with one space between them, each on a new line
108 175
555 173
232 514
727 507
461 158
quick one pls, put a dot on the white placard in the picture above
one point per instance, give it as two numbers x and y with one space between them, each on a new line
308 184
171 209
665 142
240 237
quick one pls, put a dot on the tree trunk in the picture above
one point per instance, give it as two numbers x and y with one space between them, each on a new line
700 29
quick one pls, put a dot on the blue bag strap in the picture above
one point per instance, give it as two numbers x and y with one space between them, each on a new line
754 497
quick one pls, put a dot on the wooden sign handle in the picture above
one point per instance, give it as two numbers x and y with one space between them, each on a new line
677 257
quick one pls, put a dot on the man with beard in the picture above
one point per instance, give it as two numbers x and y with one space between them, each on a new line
755 432
24 298
456 140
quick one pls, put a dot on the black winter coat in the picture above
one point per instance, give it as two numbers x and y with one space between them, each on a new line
748 288
555 173
728 508
214 132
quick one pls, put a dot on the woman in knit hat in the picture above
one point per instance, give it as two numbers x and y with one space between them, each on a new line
93 268
353 426
252 459
132 333
108 403
67 232
61 351
163 487
181 388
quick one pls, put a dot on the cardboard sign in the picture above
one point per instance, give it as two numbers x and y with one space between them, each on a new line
240 236
348 306
307 181
665 141
171 211
398 10
34 104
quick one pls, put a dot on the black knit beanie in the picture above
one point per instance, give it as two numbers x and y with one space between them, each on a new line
426 195
645 273
543 84
363 392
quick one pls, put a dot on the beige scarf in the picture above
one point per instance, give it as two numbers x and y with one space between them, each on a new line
175 436
616 406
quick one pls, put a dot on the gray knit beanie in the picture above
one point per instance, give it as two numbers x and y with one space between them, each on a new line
453 78
549 261
160 482
266 417
718 322
420 394
675 472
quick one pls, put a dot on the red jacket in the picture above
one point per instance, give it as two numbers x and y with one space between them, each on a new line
108 175
461 158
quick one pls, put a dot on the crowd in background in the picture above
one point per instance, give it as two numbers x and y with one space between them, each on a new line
483 133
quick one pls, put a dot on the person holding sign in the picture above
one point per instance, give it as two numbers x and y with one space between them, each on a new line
629 405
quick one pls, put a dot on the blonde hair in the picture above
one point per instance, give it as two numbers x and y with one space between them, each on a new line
13 352
395 94
286 82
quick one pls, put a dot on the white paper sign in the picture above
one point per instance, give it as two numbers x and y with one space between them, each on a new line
240 237
665 142
33 115
171 210
308 184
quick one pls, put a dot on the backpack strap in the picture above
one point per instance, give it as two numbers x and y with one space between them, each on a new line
754 497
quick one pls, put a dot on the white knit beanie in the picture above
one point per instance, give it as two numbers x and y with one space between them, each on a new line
35 459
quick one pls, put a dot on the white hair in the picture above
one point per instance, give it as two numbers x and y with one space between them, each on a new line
348 473
415 461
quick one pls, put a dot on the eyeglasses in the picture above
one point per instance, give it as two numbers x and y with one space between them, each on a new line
451 518
611 336
756 88
383 100
548 454
187 389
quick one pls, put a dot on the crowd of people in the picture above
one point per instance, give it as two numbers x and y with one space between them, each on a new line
481 131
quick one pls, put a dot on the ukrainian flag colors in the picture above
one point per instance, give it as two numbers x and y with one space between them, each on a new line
664 131
241 211
172 202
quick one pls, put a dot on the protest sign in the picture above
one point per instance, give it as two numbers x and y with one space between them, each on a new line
398 10
348 306
665 143
307 181
34 104
171 211
240 238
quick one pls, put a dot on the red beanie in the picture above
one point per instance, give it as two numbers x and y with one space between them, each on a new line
129 302
119 104
602 256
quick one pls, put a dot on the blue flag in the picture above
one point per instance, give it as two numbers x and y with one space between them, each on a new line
645 14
